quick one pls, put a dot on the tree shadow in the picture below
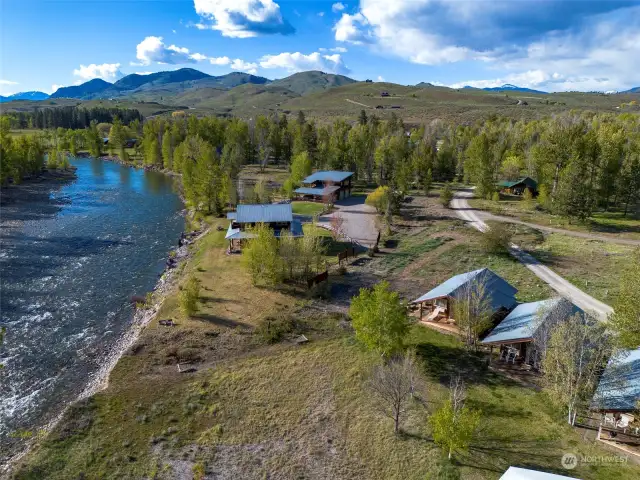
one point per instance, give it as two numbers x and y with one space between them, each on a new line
219 321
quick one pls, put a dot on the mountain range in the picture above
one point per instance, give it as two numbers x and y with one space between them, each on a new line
507 87
25 96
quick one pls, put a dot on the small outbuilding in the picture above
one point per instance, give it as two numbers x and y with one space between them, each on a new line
438 303
517 187
515 334
326 185
618 392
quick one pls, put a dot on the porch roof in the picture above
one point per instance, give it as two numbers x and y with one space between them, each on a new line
619 387
500 292
320 192
522 323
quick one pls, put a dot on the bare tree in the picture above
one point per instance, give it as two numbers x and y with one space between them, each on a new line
547 318
393 385
576 352
337 225
472 310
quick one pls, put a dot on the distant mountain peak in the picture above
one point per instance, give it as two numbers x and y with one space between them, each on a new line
32 95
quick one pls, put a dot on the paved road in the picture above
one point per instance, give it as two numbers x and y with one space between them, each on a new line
555 281
359 223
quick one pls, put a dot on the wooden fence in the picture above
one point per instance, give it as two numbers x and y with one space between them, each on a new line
321 277
345 254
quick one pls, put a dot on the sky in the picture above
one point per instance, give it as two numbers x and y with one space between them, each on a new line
543 44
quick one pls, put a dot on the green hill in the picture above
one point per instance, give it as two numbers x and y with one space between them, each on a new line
304 83
91 87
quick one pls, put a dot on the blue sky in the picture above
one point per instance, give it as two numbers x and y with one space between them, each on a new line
545 44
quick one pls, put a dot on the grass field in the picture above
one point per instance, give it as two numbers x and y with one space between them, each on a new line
307 208
590 265
601 223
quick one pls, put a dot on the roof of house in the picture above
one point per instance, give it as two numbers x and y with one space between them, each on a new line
523 321
517 473
500 292
269 213
327 176
528 181
236 234
619 387
317 191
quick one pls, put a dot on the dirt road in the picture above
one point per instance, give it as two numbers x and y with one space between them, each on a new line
357 103
555 281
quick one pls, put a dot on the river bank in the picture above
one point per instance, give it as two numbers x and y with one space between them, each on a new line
73 254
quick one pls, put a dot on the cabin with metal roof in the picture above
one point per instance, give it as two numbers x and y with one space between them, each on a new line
518 187
437 303
619 387
325 186
279 217
515 334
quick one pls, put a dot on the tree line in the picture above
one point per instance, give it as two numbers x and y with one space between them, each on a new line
74 117
581 161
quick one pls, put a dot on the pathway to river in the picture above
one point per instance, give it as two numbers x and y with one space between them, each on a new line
72 255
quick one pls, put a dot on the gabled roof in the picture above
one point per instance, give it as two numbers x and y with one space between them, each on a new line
236 234
317 191
517 473
280 212
528 181
619 387
500 292
327 176
523 321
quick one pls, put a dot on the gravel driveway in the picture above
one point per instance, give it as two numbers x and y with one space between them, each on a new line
359 220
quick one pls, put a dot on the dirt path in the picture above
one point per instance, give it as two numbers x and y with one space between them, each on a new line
357 103
555 281
571 233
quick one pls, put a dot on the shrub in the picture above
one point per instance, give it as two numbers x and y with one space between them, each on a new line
527 196
497 238
379 198
272 329
446 195
188 297
495 197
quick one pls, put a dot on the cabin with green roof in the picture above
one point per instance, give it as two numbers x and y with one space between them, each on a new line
518 187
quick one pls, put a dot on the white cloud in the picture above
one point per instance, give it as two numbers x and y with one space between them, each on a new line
54 87
242 66
380 78
173 31
338 7
143 73
353 29
7 82
299 62
152 49
321 14
219 60
334 49
552 45
243 18
107 71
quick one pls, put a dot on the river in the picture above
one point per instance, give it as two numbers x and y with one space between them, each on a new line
72 255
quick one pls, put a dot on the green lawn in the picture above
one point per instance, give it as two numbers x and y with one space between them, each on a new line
590 265
307 208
